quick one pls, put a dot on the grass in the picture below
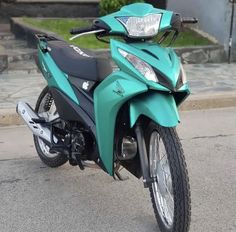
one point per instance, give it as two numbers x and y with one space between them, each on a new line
63 26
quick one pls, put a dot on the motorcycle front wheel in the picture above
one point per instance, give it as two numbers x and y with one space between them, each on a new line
170 192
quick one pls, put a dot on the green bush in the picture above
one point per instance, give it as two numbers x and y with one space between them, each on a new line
110 6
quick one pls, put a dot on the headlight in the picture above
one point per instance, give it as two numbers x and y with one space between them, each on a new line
146 26
144 68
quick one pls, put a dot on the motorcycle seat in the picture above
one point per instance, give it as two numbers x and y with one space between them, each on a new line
77 62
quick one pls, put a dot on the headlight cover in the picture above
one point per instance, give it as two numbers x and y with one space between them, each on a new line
145 69
146 26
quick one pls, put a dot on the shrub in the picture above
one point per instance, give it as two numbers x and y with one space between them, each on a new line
110 6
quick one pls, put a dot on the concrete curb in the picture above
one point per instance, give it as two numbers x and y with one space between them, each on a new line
204 102
9 117
40 8
27 32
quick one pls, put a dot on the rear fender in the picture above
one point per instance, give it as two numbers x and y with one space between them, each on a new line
161 108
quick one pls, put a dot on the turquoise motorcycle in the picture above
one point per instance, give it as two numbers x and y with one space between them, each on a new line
94 116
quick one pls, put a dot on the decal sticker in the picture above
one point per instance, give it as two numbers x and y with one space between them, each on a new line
119 89
79 51
85 85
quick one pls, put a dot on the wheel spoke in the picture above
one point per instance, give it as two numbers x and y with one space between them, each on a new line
162 189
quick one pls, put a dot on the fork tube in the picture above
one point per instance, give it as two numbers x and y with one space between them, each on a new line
143 155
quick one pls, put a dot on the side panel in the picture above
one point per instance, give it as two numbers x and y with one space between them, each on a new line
162 59
109 96
54 76
69 110
161 108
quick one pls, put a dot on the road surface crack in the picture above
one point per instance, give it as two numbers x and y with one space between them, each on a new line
11 181
212 136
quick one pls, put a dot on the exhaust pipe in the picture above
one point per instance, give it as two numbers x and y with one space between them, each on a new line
31 118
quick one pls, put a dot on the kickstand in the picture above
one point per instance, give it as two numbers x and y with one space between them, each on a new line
117 175
78 161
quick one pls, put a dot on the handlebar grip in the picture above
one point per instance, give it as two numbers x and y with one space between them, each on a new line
75 31
189 20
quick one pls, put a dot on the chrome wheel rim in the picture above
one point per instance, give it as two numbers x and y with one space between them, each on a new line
49 115
162 188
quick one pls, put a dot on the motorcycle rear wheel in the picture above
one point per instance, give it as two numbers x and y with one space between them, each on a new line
170 193
46 108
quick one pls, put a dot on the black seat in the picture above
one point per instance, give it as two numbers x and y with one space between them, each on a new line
78 62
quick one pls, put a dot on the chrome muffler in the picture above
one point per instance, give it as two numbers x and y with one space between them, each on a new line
31 118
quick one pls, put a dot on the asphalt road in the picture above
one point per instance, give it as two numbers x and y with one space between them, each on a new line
34 197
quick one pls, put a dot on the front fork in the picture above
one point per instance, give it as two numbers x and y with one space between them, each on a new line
147 179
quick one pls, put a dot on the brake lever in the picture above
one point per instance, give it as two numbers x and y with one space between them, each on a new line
87 33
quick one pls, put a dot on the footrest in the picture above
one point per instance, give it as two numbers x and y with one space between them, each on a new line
39 120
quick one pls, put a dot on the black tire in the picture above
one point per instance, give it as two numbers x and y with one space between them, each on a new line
179 179
59 159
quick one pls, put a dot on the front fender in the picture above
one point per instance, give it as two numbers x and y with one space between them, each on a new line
161 108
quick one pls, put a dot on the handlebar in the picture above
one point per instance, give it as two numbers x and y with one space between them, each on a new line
189 20
176 23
